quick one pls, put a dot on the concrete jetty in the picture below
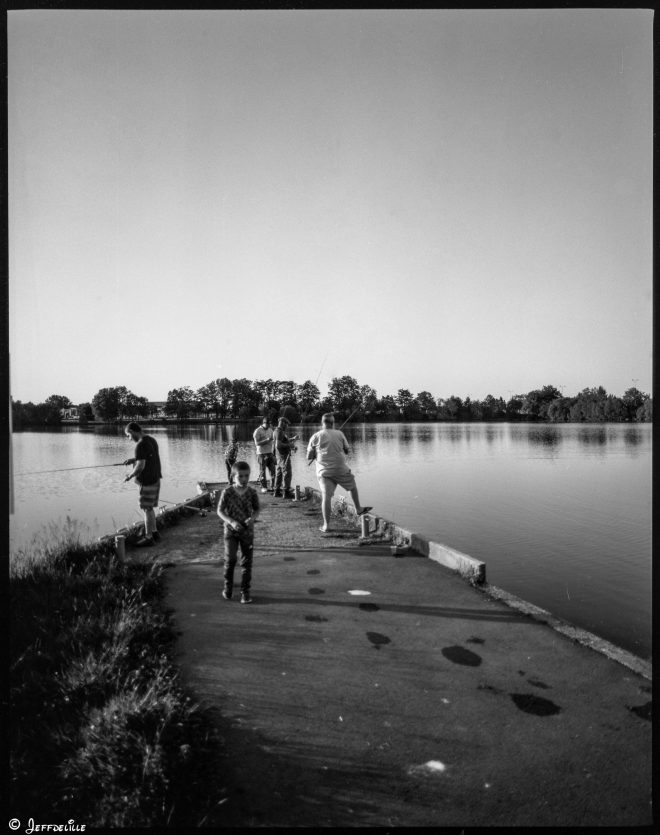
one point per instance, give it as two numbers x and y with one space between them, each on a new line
364 689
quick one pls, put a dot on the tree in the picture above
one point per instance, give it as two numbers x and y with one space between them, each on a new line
52 406
181 402
245 400
514 406
535 403
135 406
426 404
386 407
224 393
559 410
344 393
633 398
644 413
369 400
307 395
489 407
85 413
58 401
404 400
452 407
108 403
285 392
206 397
471 409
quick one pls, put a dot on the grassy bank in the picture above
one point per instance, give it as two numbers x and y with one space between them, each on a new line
100 728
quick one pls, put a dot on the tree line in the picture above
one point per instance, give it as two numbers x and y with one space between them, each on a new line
242 399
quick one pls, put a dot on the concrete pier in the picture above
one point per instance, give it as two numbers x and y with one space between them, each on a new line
363 689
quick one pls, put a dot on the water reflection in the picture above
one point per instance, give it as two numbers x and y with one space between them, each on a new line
546 436
593 435
632 437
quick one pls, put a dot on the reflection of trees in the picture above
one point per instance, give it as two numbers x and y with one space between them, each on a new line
632 437
593 435
405 434
548 436
493 432
455 434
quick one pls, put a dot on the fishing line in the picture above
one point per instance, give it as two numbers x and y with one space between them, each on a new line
321 368
68 469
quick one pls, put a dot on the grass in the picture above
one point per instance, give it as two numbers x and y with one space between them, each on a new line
101 728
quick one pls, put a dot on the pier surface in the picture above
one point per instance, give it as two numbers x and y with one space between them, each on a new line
362 689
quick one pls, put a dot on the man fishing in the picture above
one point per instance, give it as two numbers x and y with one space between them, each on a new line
329 449
146 472
283 449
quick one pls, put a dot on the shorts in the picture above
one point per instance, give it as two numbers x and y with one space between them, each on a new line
328 484
149 494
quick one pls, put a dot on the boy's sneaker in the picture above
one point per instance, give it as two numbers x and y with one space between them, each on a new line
146 541
226 594
289 494
245 597
278 493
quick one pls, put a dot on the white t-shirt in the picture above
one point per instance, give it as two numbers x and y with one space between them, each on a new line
263 438
331 447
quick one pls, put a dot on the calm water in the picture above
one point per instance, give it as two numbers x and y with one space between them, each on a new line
561 515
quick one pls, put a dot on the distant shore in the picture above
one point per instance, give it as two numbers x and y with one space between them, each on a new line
203 421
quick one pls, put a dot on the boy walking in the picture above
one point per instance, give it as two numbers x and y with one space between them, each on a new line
239 509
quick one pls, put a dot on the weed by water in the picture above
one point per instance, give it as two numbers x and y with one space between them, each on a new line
101 729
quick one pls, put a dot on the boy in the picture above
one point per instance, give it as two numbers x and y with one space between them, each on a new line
239 510
231 454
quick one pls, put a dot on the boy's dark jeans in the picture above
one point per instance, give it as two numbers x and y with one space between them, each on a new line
232 541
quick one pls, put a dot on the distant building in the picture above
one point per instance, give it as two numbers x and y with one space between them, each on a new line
72 413
157 408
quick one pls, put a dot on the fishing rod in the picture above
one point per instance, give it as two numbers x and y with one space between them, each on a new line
68 469
359 405
201 510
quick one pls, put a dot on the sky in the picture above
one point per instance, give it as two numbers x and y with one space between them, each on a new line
453 201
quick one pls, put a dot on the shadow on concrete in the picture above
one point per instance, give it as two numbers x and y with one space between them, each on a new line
502 616
303 783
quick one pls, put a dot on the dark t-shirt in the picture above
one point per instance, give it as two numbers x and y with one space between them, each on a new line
282 443
147 449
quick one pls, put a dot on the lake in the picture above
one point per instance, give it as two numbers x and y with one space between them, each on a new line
560 514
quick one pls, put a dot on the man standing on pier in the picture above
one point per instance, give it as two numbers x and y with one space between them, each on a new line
329 449
146 472
283 449
263 439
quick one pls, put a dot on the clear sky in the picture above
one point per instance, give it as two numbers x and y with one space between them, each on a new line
445 200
